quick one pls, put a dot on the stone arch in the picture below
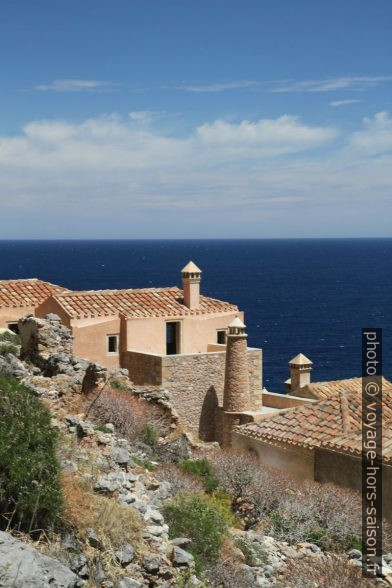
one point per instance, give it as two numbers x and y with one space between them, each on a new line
207 415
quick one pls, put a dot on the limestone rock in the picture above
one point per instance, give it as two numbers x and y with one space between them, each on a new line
182 558
125 555
92 538
22 566
128 583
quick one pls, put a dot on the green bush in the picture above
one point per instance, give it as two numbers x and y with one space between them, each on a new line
195 516
30 492
202 468
149 436
8 348
11 337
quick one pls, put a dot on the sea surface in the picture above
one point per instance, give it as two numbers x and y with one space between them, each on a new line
306 295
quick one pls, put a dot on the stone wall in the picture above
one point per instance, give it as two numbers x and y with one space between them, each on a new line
194 383
45 342
143 368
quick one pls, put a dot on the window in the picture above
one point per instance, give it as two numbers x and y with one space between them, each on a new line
221 337
13 327
112 343
172 338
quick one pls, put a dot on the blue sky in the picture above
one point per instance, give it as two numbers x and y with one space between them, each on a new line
168 118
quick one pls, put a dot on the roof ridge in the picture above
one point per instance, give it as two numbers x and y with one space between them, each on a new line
120 290
345 412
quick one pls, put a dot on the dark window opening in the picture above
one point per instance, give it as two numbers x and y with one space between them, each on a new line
13 327
112 343
172 338
221 337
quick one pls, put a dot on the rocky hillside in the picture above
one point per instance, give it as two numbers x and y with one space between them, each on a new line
143 506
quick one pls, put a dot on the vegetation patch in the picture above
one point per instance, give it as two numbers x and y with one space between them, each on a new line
202 468
197 517
10 337
30 491
149 436
7 348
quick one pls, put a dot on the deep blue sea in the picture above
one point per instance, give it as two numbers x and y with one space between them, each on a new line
311 296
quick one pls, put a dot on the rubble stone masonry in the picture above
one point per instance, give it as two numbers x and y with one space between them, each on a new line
195 384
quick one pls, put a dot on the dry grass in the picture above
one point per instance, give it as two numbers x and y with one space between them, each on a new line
115 526
331 571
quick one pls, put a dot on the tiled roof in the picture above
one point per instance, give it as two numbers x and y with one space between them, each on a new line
31 292
352 443
315 424
146 302
320 390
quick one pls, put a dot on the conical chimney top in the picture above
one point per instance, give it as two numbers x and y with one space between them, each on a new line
237 328
191 268
300 360
237 322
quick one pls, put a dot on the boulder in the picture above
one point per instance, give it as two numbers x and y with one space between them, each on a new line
22 566
182 558
125 555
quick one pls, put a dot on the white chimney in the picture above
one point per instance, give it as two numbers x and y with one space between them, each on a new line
191 278
300 368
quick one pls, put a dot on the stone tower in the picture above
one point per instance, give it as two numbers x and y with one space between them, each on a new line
300 368
236 396
191 278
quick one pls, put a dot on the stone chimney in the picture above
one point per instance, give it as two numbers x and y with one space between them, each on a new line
236 396
236 390
191 278
300 368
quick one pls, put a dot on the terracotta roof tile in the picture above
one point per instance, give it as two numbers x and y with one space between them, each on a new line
352 442
333 422
320 390
136 303
31 292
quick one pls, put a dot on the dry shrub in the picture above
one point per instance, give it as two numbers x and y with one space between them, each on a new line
330 571
77 509
256 490
114 525
129 414
181 482
321 513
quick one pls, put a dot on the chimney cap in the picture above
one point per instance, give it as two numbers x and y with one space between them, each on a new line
191 268
237 322
300 359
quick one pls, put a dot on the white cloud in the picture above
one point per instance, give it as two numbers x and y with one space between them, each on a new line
143 115
218 87
267 137
76 86
106 173
332 84
344 102
376 137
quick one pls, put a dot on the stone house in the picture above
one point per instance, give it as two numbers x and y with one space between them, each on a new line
320 438
21 297
106 324
166 337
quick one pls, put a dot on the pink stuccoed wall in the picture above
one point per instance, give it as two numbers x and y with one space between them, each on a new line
147 335
12 315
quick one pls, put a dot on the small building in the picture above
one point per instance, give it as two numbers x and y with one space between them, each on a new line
21 297
105 324
320 439
168 337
